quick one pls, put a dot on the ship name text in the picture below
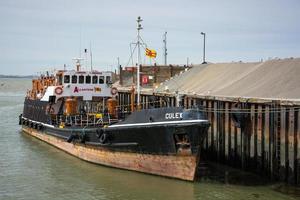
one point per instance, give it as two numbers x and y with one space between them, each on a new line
173 116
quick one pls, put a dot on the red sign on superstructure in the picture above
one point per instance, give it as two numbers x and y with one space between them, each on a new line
145 79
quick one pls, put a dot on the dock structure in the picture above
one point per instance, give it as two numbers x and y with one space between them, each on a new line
253 109
151 75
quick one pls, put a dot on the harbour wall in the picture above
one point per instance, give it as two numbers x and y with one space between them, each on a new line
266 141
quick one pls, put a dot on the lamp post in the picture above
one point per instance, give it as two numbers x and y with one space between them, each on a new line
204 62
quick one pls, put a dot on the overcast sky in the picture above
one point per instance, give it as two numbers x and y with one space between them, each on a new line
40 35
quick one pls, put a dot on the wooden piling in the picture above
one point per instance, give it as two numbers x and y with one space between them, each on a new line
227 131
269 145
290 146
297 147
267 138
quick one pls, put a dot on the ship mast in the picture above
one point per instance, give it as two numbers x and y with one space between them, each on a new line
137 46
139 27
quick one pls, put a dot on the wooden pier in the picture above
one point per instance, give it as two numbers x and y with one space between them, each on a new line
253 109
268 144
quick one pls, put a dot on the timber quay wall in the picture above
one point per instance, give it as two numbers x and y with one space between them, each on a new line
268 144
253 109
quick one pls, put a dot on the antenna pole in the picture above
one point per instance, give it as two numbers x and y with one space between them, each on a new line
204 38
91 56
80 43
86 59
118 64
165 48
139 27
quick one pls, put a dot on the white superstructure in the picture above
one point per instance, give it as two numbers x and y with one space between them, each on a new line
80 84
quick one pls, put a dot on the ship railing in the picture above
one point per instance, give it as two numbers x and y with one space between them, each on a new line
89 119
127 108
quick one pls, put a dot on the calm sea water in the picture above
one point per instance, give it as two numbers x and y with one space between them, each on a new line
32 169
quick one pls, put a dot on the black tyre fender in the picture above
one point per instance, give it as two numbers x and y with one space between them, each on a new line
99 132
82 137
103 138
71 138
40 126
20 119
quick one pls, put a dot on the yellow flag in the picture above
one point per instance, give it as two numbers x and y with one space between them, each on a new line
151 53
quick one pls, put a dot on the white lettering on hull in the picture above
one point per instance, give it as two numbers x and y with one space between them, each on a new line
173 116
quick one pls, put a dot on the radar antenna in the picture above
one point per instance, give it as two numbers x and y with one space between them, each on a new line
78 64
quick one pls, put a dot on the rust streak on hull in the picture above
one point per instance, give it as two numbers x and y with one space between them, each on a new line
181 167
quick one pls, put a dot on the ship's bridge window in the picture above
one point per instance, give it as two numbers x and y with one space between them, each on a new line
81 79
95 79
59 79
108 80
101 79
67 79
74 79
88 79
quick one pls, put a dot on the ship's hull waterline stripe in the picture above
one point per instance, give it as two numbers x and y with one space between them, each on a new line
137 124
159 123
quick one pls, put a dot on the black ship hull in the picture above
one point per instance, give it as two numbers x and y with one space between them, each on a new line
163 141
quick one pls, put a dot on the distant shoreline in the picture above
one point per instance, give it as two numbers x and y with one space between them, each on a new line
16 76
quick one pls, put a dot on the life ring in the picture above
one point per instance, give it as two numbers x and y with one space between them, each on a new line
58 90
114 91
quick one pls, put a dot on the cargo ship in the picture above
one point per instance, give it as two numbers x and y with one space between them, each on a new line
78 112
